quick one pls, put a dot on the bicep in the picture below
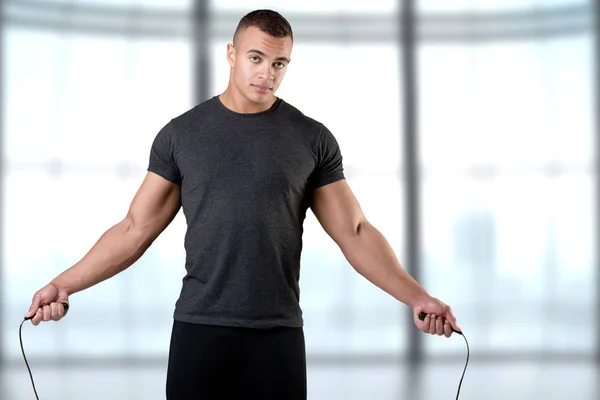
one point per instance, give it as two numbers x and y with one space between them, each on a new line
155 205
337 210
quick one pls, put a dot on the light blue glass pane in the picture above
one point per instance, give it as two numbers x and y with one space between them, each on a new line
310 6
512 254
154 4
96 100
518 105
493 5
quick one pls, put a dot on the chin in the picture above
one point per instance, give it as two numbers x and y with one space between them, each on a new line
260 99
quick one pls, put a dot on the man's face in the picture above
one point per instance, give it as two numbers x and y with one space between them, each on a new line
258 63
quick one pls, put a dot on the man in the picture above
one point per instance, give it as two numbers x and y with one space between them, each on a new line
245 166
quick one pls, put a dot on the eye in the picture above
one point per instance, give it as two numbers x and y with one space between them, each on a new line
279 65
255 59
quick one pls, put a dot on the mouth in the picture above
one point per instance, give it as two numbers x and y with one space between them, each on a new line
262 88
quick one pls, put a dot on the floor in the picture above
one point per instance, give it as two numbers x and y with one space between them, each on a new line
483 380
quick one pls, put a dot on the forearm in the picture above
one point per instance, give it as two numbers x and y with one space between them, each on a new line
371 256
116 250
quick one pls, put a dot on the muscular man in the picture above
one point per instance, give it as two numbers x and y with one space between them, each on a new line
244 166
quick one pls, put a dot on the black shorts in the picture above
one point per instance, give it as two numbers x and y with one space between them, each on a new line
215 362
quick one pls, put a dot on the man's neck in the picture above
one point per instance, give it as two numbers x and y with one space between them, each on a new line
237 103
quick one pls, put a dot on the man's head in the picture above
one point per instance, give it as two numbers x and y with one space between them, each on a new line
259 55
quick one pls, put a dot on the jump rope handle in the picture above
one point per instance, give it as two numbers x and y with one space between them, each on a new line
64 304
422 316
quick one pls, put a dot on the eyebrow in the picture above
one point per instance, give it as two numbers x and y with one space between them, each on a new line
260 53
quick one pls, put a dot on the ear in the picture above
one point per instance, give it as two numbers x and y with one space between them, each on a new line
230 55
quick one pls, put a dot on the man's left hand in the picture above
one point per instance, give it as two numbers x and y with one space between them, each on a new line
439 320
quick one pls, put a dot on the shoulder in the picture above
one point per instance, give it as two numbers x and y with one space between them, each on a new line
316 129
190 118
182 125
298 118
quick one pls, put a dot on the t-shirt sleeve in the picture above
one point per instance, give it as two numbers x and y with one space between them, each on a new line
162 155
330 167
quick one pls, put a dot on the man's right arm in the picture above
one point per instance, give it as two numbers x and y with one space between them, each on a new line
154 206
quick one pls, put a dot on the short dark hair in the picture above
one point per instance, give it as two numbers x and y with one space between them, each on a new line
268 21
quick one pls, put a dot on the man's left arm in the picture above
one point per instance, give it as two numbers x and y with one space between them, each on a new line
367 250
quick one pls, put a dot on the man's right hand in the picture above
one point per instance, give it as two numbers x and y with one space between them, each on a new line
47 304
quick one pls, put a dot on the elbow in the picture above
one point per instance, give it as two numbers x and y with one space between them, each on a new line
360 227
130 226
347 240
127 223
138 234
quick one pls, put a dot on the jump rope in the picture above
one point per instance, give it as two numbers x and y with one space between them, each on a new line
66 306
422 316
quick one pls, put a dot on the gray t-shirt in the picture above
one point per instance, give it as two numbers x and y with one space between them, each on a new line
246 182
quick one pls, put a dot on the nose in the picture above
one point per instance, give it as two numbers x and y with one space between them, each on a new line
266 73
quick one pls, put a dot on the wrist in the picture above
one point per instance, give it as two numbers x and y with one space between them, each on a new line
418 299
62 288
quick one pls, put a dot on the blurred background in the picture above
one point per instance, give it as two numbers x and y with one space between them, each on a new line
469 134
